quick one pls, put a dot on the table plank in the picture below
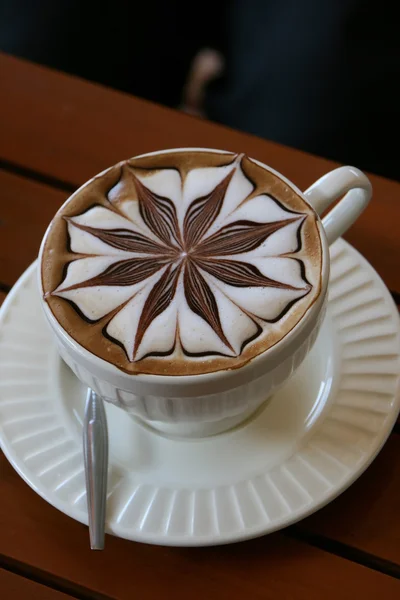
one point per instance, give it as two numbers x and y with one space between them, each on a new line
26 233
26 209
374 529
375 233
16 587
268 568
366 516
71 129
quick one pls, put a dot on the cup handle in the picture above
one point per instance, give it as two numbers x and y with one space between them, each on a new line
357 191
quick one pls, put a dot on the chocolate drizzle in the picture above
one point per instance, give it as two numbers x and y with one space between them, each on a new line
202 213
159 298
124 272
189 254
238 274
201 300
125 239
158 213
240 236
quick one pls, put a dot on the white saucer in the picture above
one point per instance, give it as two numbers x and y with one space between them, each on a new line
312 441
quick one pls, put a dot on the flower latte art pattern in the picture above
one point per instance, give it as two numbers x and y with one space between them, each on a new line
176 266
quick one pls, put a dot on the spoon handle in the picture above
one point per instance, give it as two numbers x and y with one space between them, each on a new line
95 452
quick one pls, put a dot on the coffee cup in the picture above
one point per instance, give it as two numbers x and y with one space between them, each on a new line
186 286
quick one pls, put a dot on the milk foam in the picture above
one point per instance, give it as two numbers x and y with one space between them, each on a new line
178 278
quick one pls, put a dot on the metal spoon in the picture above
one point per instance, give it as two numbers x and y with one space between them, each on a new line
95 452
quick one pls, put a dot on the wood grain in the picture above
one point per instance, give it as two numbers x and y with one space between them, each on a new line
15 587
268 568
371 526
23 224
71 129
367 515
68 129
28 206
26 209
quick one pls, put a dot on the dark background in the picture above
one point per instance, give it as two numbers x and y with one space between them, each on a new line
320 75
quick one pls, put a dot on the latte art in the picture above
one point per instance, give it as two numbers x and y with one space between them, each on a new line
182 263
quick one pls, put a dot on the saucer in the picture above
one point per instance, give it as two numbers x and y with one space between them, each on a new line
310 442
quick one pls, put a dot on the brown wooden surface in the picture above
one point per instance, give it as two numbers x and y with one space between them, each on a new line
66 129
14 587
28 206
268 568
366 516
71 129
26 209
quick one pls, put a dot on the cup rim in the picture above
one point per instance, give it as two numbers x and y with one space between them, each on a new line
214 377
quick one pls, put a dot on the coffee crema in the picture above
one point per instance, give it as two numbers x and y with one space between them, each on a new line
182 263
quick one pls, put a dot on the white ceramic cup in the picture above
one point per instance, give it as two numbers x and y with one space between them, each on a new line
198 405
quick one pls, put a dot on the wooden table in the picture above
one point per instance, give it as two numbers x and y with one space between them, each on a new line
56 131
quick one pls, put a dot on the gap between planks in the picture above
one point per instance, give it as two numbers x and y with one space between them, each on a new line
47 579
365 559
